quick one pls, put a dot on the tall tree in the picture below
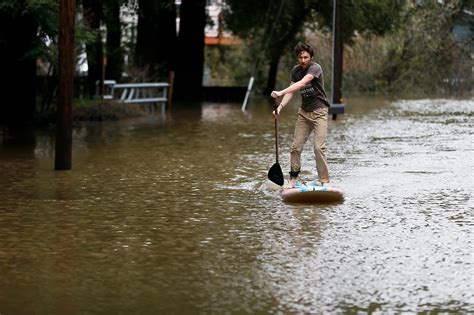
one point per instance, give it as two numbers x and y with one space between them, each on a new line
244 18
156 37
22 24
114 67
167 35
93 14
425 44
190 53
147 41
282 24
17 34
286 29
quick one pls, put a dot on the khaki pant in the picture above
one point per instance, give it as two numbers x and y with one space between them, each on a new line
316 120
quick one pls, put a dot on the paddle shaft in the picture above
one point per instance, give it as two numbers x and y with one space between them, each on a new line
276 138
275 174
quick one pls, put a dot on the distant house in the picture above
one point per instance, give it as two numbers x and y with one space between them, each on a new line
215 34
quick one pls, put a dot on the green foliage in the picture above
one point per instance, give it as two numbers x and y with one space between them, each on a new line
44 13
228 65
423 56
10 6
255 22
270 25
249 19
400 46
371 16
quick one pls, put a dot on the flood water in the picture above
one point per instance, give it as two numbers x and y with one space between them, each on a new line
166 215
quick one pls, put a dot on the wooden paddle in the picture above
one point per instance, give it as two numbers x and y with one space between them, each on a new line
275 174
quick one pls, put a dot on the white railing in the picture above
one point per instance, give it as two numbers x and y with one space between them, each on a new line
138 93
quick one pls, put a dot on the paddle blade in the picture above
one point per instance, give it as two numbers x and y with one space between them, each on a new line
276 175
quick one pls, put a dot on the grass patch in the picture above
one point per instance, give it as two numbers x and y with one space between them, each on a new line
95 110
100 110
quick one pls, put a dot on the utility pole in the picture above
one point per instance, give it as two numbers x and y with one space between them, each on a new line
63 150
337 107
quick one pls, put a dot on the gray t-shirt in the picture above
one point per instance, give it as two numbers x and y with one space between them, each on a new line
312 95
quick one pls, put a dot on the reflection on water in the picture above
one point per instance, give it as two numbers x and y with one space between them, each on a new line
166 216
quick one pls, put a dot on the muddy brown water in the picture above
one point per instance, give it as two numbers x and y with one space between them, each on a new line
165 215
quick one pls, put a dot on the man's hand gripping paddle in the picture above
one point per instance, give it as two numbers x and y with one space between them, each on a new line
275 174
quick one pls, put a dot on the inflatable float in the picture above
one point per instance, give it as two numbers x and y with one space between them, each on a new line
312 192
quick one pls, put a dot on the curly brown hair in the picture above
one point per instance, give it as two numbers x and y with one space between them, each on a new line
300 47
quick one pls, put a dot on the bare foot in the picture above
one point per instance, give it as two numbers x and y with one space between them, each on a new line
292 183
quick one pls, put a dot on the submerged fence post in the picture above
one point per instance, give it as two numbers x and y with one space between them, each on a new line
249 89
170 90
63 148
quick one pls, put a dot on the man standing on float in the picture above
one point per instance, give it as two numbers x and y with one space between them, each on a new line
307 77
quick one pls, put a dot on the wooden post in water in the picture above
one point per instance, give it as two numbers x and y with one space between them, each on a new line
338 45
103 66
63 150
170 90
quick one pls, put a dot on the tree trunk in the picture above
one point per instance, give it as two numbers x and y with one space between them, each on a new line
95 55
272 74
17 86
167 35
147 42
114 67
156 37
284 40
190 62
